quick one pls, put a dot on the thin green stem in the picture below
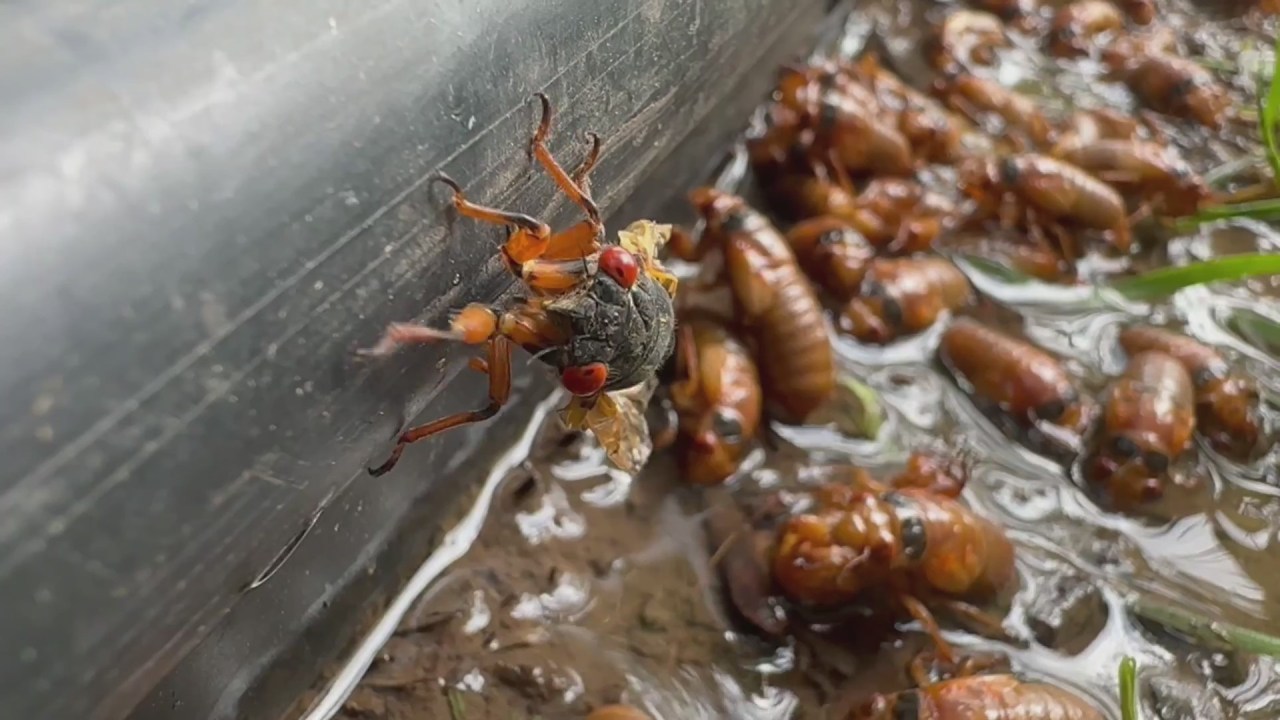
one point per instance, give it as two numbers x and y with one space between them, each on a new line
1210 632
1228 171
1257 329
1266 210
1150 285
1270 114
457 709
1168 280
1129 689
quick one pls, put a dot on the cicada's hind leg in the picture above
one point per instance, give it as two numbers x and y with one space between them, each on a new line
476 324
497 365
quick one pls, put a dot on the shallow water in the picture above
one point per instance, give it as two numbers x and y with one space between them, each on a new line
585 586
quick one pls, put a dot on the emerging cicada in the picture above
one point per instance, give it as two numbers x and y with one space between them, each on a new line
601 314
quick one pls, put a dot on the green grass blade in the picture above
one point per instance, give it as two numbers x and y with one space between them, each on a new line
1129 689
999 271
457 709
1209 632
1147 286
1166 281
1270 114
1257 329
1266 210
1034 291
1223 174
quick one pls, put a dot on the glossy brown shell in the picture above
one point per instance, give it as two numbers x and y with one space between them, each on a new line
903 296
834 254
778 306
727 384
916 536
1227 403
1066 192
1012 374
1180 87
1152 404
1198 359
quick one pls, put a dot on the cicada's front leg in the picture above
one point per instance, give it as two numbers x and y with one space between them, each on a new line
573 187
567 259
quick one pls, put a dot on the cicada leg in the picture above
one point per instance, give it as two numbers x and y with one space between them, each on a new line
582 239
530 238
921 614
533 238
945 476
562 179
926 668
683 245
1142 212
498 367
582 176
1257 191
476 324
1154 124
835 169
527 325
1008 211
555 277
1063 242
974 114
531 241
976 619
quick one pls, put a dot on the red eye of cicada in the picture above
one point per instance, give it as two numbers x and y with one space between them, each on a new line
620 265
584 380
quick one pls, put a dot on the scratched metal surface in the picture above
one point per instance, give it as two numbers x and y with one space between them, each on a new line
204 208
